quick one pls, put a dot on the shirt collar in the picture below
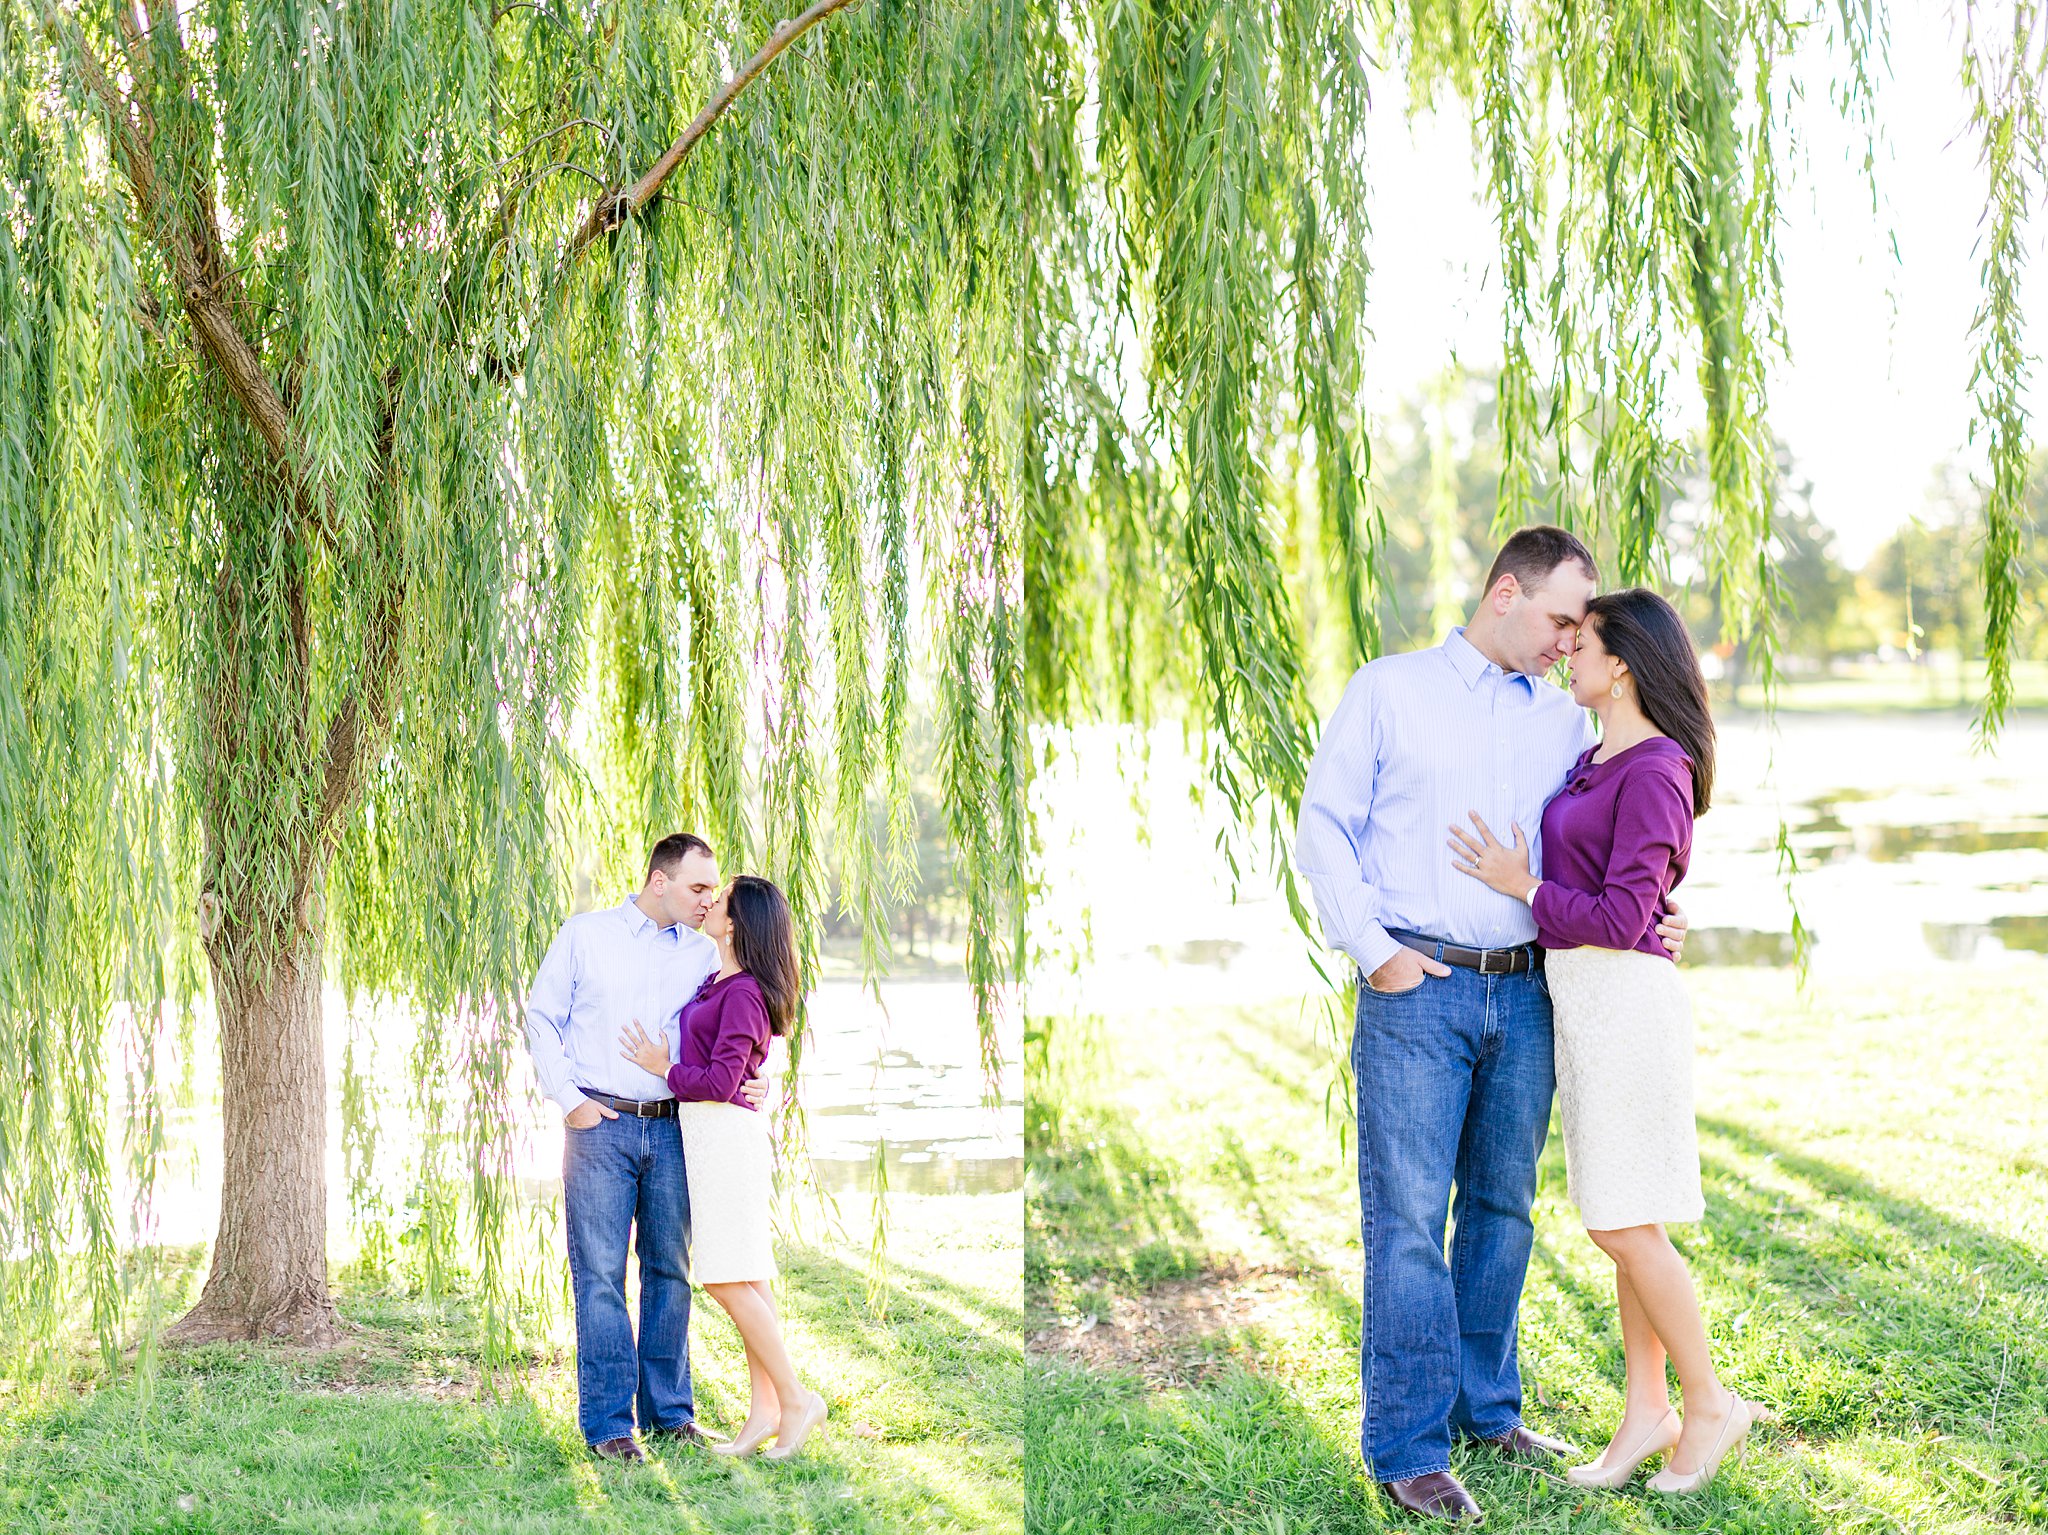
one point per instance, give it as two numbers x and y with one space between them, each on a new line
637 921
1470 665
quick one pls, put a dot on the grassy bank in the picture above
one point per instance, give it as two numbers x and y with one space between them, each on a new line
1874 1263
396 1431
1934 685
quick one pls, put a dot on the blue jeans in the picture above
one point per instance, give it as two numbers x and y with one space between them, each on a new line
1454 1084
619 1174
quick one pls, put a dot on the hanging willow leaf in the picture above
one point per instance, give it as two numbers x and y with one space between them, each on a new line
2003 73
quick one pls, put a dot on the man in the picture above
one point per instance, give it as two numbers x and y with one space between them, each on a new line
622 1153
1452 1046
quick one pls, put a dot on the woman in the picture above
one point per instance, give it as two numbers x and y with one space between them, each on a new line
1616 839
725 1032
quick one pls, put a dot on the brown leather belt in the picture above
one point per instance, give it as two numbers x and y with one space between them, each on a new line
659 1108
1515 961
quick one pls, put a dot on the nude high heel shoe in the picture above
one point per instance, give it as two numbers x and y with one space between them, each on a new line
1734 1437
1658 1441
788 1444
744 1442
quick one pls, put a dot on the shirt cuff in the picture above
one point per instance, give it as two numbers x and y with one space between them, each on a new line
569 1100
1374 948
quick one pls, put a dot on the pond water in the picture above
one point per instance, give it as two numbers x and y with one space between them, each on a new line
906 1072
1913 850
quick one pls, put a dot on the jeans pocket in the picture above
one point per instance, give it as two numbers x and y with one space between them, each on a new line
1406 991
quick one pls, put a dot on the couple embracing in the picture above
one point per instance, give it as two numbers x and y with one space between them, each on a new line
664 1141
1485 985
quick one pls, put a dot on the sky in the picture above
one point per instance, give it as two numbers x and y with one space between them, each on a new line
1875 397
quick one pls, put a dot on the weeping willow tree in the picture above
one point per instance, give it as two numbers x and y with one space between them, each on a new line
427 439
436 430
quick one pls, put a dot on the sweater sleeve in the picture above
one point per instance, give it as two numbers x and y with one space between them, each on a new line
1652 821
742 1026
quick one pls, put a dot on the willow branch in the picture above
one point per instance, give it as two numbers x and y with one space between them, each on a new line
200 274
561 165
134 41
359 725
542 11
616 207
151 315
555 132
194 250
356 733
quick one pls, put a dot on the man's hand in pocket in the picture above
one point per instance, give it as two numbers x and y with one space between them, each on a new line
588 1113
1405 971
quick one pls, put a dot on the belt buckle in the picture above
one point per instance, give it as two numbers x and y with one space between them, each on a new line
1486 958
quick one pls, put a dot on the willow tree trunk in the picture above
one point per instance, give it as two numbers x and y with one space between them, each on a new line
269 1274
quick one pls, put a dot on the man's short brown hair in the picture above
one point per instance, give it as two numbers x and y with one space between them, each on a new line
670 851
1532 554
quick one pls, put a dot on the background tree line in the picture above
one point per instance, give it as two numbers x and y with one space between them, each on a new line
1919 595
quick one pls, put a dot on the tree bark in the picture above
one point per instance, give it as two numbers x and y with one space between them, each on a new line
269 1274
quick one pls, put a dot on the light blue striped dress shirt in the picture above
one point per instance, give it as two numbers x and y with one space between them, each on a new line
1419 741
605 969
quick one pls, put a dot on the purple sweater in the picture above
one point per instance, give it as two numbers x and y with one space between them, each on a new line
725 1038
1616 840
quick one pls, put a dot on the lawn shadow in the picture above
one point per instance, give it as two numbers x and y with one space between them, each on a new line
966 1302
1335 1294
1900 1346
1304 1086
1893 1313
1594 1323
1102 1207
242 1432
1241 1455
938 1335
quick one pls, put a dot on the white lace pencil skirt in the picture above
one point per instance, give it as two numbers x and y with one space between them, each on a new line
727 1163
1623 1029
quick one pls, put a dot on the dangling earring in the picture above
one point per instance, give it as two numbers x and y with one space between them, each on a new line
1617 690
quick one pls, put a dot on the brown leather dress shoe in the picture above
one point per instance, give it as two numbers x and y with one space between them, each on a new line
624 1449
1435 1495
1524 1443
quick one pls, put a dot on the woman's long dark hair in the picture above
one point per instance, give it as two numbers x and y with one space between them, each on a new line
764 942
1645 633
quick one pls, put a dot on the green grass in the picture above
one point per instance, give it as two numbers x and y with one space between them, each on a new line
1934 685
395 1431
1874 1264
